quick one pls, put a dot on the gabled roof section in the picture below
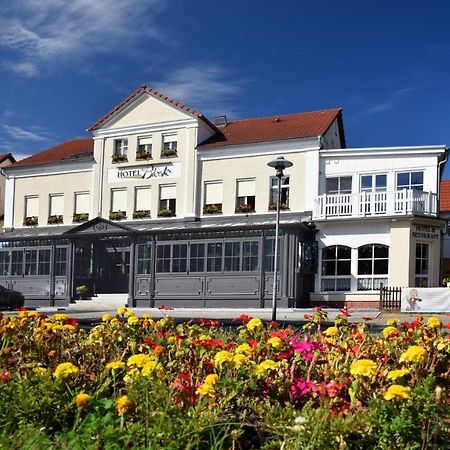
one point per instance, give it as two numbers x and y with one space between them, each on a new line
155 93
5 156
274 128
99 226
74 149
444 196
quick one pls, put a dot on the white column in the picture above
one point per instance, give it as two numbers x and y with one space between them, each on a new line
9 201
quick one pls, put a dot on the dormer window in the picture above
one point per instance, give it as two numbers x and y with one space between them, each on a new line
169 145
120 150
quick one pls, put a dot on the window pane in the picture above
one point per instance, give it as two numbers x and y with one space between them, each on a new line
250 256
197 261
214 257
344 252
366 182
402 180
365 251
381 182
232 256
179 261
345 185
17 262
328 267
343 284
4 263
416 178
380 266
343 268
381 251
364 284
44 262
365 267
60 262
144 259
163 258
332 185
329 253
328 284
30 262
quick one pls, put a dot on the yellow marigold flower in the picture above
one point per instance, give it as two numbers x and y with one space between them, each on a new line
114 365
206 390
204 337
132 320
82 400
223 357
132 374
240 359
396 392
243 348
129 313
414 353
393 322
331 331
275 342
68 327
124 405
265 366
40 371
211 379
363 367
434 322
107 317
394 374
65 370
60 317
139 360
147 316
152 366
254 324
114 320
122 310
388 331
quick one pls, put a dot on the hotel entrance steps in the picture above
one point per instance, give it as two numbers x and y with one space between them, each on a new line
100 303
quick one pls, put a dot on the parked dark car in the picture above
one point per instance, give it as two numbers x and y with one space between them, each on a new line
10 299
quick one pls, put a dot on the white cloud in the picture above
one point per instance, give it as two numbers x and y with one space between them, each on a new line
390 102
39 32
20 134
206 88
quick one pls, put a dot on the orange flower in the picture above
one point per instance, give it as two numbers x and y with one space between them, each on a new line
124 405
82 400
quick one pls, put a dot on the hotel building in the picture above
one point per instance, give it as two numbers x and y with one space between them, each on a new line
167 207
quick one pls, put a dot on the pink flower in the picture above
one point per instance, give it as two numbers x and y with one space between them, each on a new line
300 388
306 348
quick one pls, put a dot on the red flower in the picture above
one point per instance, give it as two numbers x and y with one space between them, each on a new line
252 343
274 325
244 318
307 317
209 343
71 321
207 322
344 311
5 376
367 318
166 308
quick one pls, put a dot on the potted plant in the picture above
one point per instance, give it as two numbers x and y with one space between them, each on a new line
80 217
30 221
165 213
244 208
141 214
117 215
55 219
446 281
143 154
168 152
273 206
212 209
116 158
81 290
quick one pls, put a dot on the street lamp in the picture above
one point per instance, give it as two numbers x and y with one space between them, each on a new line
279 165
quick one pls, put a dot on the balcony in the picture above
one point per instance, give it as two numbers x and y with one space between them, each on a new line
405 202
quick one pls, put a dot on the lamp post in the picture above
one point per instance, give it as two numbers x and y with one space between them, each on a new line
279 165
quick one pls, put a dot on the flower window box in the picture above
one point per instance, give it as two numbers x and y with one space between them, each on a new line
80 217
244 208
141 214
117 215
55 219
283 206
213 209
30 221
166 213
169 153
118 158
143 155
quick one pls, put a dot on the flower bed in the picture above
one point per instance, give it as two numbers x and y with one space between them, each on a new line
139 383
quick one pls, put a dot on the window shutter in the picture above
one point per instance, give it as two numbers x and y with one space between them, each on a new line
145 140
31 206
119 200
246 188
213 193
169 137
82 203
56 205
168 192
142 199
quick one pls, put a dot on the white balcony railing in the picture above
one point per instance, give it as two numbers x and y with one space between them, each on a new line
369 204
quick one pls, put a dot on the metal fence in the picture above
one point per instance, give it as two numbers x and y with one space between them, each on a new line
390 297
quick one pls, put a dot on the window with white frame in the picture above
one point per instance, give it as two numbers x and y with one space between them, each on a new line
336 268
56 208
410 180
142 202
213 197
373 266
167 200
170 145
121 148
32 206
245 198
373 183
338 185
284 203
118 209
144 149
81 207
422 264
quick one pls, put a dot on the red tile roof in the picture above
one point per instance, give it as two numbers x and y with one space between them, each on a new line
145 88
6 156
275 128
74 149
444 196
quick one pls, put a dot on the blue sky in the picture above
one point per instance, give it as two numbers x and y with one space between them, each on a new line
63 64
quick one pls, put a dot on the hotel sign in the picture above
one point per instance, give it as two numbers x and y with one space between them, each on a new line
121 174
425 232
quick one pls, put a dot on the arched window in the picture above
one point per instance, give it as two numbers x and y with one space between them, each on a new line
373 266
336 262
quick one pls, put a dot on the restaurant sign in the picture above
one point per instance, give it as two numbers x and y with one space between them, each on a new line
425 232
121 174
